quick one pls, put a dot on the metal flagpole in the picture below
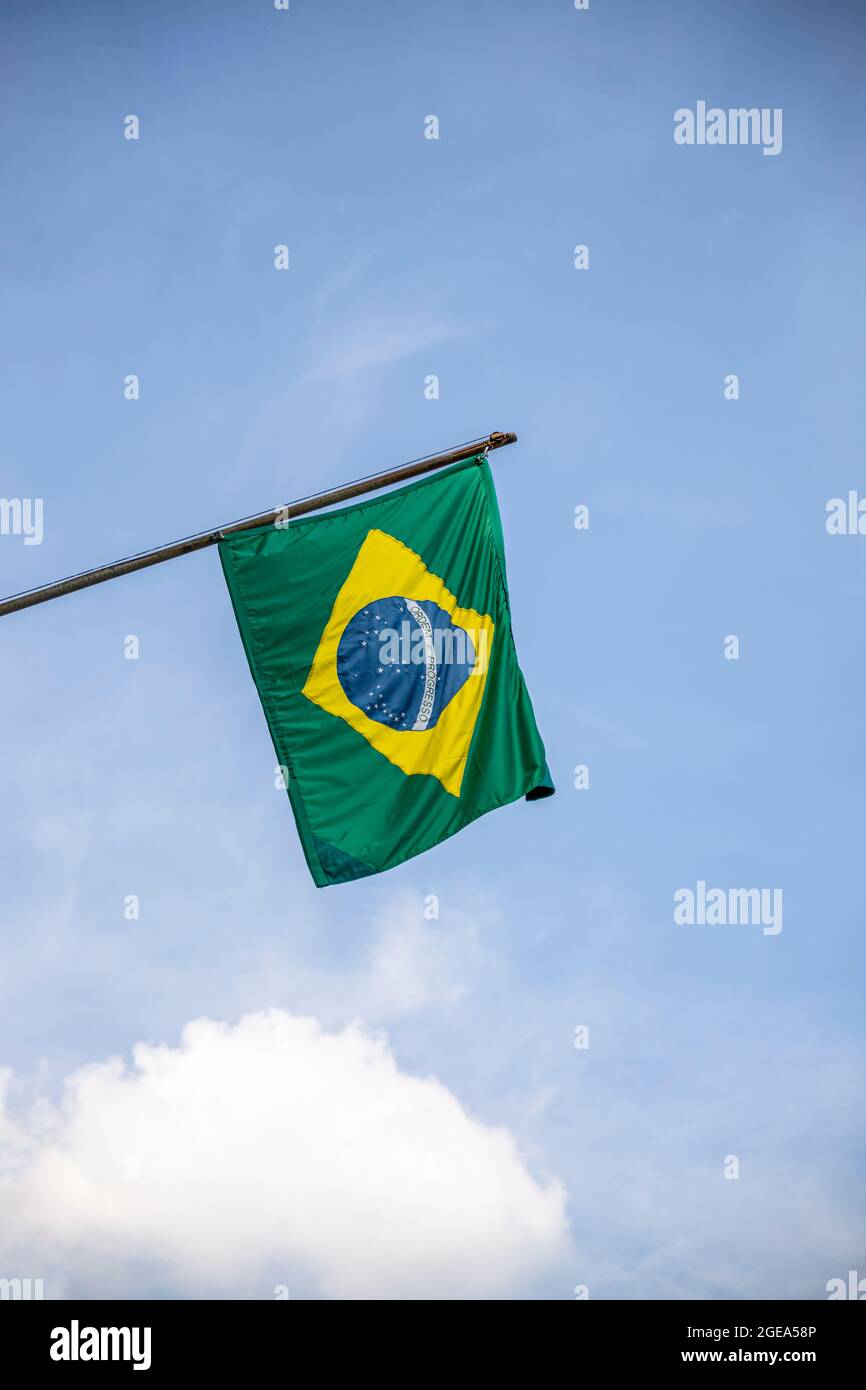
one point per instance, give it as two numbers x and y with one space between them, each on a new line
284 513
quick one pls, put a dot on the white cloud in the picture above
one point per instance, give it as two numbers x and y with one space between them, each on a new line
271 1151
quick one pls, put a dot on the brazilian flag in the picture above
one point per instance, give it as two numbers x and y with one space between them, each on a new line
379 639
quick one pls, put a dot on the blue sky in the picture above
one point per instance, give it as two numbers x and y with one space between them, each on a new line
453 257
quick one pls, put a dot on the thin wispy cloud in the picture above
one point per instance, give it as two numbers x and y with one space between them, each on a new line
376 340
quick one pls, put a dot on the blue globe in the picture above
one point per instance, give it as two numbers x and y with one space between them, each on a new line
402 661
